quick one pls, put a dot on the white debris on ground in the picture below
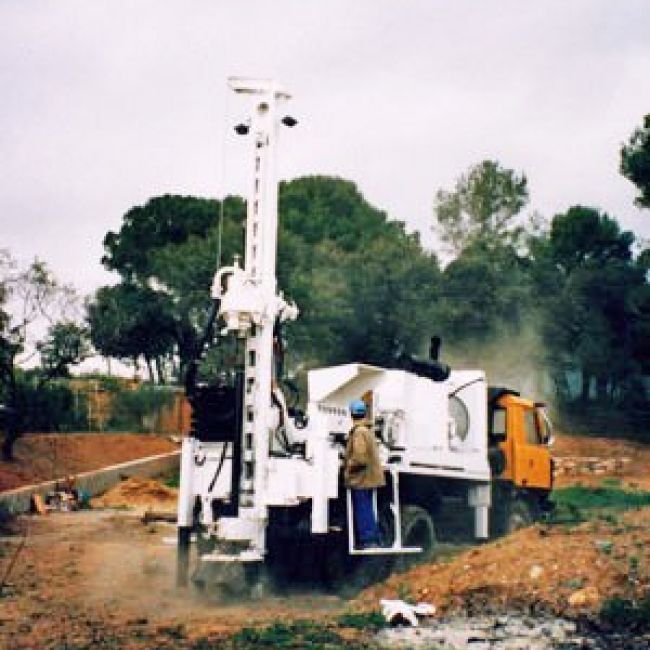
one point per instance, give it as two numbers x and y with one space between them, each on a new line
398 612
486 633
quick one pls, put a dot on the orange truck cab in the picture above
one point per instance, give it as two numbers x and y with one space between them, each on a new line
519 436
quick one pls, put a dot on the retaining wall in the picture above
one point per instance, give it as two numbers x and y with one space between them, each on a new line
19 500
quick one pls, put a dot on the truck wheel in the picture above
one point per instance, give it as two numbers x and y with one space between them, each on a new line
417 530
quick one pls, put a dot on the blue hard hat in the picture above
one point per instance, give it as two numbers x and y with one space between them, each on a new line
358 408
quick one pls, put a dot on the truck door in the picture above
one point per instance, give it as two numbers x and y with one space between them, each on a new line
532 459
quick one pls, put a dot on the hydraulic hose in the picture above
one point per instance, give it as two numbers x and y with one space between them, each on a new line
193 365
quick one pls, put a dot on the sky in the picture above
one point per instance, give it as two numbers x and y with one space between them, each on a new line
106 103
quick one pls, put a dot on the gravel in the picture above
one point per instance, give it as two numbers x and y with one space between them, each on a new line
512 632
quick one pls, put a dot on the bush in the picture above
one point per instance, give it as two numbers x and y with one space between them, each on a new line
47 407
600 497
301 634
627 614
362 621
135 410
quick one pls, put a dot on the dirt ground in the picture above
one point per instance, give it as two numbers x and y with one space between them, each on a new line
41 457
103 579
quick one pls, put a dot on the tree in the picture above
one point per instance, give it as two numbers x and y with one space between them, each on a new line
162 221
589 315
363 285
590 324
635 162
127 322
344 263
166 252
66 344
583 234
392 287
485 294
323 208
482 207
28 296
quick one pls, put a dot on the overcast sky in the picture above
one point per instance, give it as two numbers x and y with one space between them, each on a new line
104 104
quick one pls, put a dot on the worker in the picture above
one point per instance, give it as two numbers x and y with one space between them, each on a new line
363 473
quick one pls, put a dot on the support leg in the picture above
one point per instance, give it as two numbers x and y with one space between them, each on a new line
183 556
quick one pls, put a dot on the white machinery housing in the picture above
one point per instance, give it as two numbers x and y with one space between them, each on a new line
253 467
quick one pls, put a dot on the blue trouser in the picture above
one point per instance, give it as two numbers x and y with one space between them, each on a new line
365 524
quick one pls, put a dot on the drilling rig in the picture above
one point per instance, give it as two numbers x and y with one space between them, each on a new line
260 481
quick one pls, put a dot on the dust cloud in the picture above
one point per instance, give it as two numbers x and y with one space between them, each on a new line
514 361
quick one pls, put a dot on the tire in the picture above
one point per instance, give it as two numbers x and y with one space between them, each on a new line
217 582
418 529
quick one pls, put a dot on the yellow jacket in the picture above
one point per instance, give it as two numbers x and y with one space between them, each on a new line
362 467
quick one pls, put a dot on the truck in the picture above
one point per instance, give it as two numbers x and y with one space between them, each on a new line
261 488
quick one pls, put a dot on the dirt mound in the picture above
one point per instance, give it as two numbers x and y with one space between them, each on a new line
43 457
554 568
135 492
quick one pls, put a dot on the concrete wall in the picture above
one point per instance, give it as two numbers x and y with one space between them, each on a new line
19 500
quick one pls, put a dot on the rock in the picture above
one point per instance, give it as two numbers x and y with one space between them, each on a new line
582 597
604 545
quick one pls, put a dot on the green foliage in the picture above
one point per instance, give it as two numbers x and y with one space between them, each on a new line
173 480
134 410
583 235
482 207
321 208
391 290
486 303
600 497
635 162
626 614
66 344
162 221
484 293
594 306
166 252
570 303
44 407
363 285
128 321
104 382
35 296
362 621
300 634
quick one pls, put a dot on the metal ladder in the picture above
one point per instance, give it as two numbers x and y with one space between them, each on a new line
396 548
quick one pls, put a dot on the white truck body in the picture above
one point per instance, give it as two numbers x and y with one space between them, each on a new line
427 428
